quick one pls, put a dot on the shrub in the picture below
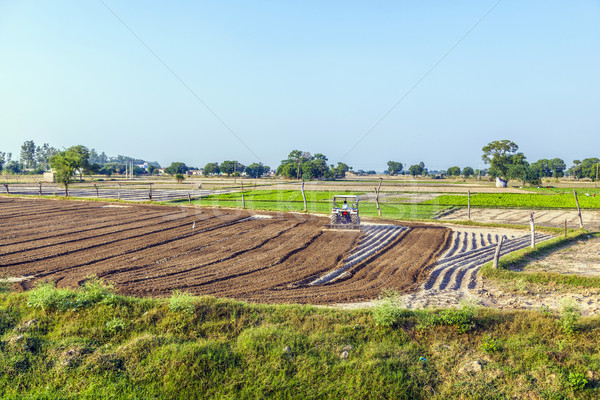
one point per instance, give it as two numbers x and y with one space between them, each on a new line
462 317
389 311
489 344
577 380
179 178
569 315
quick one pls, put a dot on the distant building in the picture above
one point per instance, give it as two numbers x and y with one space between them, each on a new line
195 172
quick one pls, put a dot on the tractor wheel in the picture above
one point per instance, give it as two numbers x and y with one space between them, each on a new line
335 219
355 219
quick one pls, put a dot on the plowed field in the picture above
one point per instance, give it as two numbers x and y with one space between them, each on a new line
153 250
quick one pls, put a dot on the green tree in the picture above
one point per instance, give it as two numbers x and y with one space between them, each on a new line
467 172
211 169
453 171
256 170
292 166
67 163
176 168
499 155
340 170
28 154
417 169
575 170
231 168
558 167
394 167
588 168
179 178
151 169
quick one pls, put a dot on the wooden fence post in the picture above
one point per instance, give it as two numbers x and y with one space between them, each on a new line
304 195
40 183
6 187
565 228
532 224
190 199
96 187
469 204
578 209
497 253
150 192
119 192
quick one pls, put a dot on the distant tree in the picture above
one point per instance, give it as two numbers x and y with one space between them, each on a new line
499 155
13 167
179 178
371 172
28 154
2 159
417 169
43 154
558 167
292 166
256 170
588 168
211 169
231 168
467 172
575 170
453 171
394 167
176 168
340 170
151 169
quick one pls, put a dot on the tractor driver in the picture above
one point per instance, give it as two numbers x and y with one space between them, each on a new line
345 206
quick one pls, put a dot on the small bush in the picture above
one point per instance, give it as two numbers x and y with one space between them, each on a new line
389 311
569 315
182 302
577 380
116 325
489 344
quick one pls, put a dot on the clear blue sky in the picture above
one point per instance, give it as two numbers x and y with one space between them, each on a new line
308 75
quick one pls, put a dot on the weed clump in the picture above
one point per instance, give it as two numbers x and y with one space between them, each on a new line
389 312
46 296
182 302
569 316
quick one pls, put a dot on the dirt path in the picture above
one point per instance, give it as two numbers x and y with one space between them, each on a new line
551 218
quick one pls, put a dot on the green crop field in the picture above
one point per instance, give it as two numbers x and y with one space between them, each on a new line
514 200
317 202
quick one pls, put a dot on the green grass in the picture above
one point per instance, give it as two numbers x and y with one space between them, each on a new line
514 200
317 202
201 347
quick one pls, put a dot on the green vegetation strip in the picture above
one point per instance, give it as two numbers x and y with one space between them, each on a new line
509 264
92 343
514 200
317 202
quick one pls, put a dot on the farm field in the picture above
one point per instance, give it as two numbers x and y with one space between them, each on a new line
587 199
153 250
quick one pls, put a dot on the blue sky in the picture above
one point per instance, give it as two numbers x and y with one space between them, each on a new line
310 75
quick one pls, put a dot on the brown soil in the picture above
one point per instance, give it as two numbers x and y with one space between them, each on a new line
153 250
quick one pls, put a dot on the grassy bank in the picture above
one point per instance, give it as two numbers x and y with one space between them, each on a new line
94 344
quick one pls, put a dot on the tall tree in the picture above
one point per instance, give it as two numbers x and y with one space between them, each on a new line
28 154
467 172
211 169
176 168
454 171
499 155
394 167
